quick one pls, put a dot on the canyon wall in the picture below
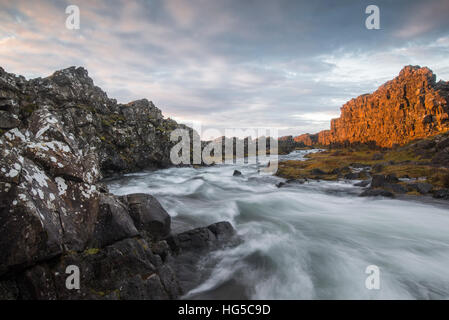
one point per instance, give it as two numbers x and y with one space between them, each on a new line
409 107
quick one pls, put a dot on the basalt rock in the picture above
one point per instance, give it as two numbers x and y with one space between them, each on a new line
148 215
377 193
410 107
59 136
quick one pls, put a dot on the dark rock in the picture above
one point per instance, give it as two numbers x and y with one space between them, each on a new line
378 181
396 188
441 194
335 171
356 175
317 171
213 236
298 181
113 223
8 290
280 184
148 215
363 183
351 176
358 165
420 187
236 173
376 193
8 120
391 178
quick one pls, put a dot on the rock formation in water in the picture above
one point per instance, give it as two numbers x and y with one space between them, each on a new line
58 137
410 107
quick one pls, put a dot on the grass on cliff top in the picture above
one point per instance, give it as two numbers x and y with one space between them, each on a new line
400 162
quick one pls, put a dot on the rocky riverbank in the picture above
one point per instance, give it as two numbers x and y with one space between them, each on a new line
418 168
59 136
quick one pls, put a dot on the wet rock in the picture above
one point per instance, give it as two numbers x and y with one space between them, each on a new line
378 181
280 184
213 236
376 193
363 183
356 175
420 187
148 215
441 194
113 223
298 181
396 188
237 173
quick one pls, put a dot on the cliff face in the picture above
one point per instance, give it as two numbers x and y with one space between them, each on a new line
409 107
307 139
124 137
58 137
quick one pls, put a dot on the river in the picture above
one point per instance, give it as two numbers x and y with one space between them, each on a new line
309 241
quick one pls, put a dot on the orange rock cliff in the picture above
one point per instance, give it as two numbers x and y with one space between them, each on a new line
409 107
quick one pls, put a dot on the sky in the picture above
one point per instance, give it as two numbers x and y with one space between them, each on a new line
283 64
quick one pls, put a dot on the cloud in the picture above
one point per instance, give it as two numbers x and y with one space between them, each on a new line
288 64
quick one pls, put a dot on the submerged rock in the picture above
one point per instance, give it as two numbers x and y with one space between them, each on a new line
377 193
237 173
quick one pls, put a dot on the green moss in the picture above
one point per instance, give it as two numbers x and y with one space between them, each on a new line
98 293
92 251
87 108
28 109
399 162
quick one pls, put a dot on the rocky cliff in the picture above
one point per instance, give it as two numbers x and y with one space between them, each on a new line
411 106
307 139
58 137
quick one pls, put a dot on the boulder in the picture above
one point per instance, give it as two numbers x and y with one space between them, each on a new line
237 173
378 181
420 187
113 223
213 236
396 188
441 194
280 184
148 215
391 178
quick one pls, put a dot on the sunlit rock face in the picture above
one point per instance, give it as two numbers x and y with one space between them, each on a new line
411 106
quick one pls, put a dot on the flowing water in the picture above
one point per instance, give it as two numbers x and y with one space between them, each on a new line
309 241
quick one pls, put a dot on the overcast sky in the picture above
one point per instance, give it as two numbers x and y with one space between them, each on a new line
225 63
